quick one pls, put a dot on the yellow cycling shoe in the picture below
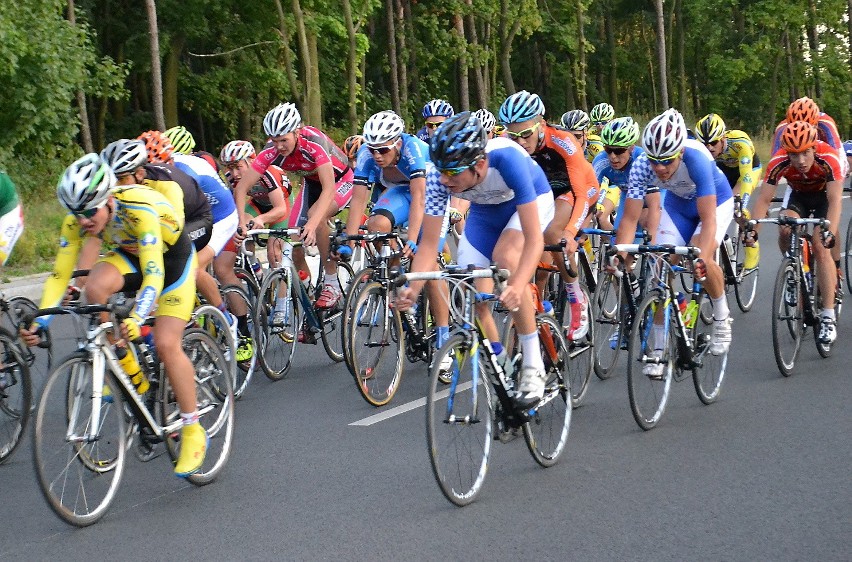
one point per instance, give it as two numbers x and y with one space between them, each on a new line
245 350
752 256
193 446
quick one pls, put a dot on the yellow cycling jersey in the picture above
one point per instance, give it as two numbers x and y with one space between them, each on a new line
739 161
594 145
143 224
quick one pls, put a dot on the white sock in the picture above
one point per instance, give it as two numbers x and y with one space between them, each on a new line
189 419
531 351
720 308
331 279
828 313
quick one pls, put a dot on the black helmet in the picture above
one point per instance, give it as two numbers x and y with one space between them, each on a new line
458 142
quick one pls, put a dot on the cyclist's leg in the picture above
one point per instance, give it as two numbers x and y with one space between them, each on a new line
555 231
298 218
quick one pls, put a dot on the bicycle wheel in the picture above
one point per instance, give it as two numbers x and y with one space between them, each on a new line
245 369
15 395
38 359
333 319
607 320
547 430
248 282
360 280
708 377
213 321
215 399
847 258
376 339
650 344
745 286
79 472
582 353
459 424
788 322
277 344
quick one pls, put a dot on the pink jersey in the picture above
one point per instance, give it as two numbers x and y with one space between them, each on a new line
313 149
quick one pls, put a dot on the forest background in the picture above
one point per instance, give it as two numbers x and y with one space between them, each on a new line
77 74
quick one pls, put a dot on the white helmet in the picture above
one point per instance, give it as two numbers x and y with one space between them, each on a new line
125 155
282 119
235 151
664 135
383 127
86 184
486 118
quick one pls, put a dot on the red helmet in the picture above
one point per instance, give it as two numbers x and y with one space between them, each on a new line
803 109
798 136
158 146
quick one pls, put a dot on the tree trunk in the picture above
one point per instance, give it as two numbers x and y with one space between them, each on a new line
661 53
478 74
315 99
613 55
284 31
392 59
414 79
581 55
773 86
681 54
156 73
307 64
464 87
170 81
85 130
791 67
402 52
813 44
507 36
351 67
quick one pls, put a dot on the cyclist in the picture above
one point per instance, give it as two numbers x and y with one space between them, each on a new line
326 186
11 217
435 112
600 115
488 121
351 146
572 180
577 122
612 167
814 189
184 143
143 227
806 109
511 204
736 157
697 210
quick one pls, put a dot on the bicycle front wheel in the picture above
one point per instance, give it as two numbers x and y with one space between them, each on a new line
607 320
546 433
246 353
745 286
277 342
788 323
78 463
333 319
710 372
847 258
376 340
650 360
459 425
359 281
15 395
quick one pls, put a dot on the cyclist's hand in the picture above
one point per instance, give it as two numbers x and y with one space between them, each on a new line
510 296
455 215
570 245
750 238
72 293
130 329
828 239
309 235
257 222
31 336
239 236
405 297
409 249
614 263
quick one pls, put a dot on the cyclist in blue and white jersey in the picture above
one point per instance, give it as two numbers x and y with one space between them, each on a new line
697 210
511 204
435 112
612 167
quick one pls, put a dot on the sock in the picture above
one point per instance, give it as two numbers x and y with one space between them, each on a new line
331 279
441 335
280 304
189 419
659 334
828 313
573 290
242 325
531 351
720 308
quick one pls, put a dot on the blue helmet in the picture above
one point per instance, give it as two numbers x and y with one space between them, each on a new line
438 108
459 141
847 147
521 106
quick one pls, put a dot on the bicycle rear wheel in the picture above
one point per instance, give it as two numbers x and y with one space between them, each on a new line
215 400
459 425
788 324
79 467
332 320
277 344
709 376
650 344
745 286
608 332
582 353
376 340
359 281
546 433
15 395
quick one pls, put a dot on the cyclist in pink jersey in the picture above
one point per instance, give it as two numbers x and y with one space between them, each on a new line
326 185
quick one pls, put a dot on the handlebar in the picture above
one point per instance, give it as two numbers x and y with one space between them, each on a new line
121 311
689 251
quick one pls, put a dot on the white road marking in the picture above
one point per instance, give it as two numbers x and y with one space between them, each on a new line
408 406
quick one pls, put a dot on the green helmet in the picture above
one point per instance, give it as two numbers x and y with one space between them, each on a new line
710 128
602 113
623 131
181 139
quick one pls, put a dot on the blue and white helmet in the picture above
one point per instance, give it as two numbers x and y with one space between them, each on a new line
459 141
521 106
383 127
438 108
664 135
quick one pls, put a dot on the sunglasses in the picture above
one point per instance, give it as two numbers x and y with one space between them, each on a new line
525 134
87 213
663 161
433 124
382 149
713 143
453 172
617 150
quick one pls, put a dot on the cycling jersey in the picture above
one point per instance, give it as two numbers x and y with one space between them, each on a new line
827 131
594 146
826 168
11 217
615 180
8 195
739 161
313 149
179 189
423 134
220 200
273 178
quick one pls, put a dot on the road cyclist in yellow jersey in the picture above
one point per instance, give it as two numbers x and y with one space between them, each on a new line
150 254
600 115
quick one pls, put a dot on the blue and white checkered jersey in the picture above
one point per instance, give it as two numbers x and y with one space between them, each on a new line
512 179
413 155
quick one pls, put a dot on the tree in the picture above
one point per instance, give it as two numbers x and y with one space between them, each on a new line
156 74
661 53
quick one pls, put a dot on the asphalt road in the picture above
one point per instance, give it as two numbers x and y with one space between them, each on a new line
763 474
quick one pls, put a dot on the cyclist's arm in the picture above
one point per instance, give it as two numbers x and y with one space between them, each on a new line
533 246
249 179
325 173
417 187
70 242
89 253
424 259
279 208
748 176
357 207
707 237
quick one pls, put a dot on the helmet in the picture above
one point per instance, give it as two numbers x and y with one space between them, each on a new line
181 139
798 136
803 109
351 145
383 127
125 155
237 150
86 184
486 118
576 120
602 113
847 147
623 131
158 146
521 106
710 128
458 142
282 119
438 108
664 135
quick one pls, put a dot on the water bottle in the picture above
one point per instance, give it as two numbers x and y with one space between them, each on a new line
634 284
134 371
729 247
548 308
691 314
505 363
148 351
257 267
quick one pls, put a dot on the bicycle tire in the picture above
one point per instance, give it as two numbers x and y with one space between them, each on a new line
245 369
608 329
546 432
377 343
94 467
15 396
39 359
847 256
745 286
707 378
360 279
459 432
277 349
332 320
649 396
248 282
214 390
787 321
